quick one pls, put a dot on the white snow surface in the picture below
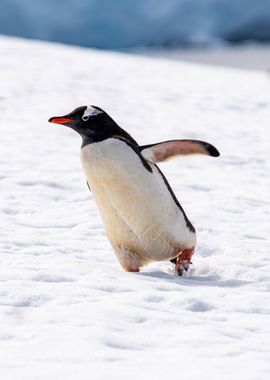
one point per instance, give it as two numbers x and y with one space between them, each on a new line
68 310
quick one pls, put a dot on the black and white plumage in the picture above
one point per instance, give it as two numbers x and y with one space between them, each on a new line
142 217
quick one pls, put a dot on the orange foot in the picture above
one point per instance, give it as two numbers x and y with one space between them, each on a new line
183 261
133 270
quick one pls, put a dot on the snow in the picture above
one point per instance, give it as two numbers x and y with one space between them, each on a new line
128 23
245 56
67 309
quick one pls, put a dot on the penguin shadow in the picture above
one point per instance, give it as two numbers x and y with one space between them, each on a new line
196 280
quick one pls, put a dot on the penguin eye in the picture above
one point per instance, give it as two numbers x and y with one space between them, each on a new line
85 118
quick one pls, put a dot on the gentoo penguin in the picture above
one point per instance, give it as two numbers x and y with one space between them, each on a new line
143 219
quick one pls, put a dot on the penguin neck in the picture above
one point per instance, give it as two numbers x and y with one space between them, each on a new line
117 133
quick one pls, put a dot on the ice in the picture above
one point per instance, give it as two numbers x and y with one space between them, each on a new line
127 23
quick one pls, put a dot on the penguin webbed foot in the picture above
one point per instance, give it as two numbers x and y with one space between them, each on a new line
184 266
182 262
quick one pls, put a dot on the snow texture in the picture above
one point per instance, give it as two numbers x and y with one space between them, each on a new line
68 311
129 23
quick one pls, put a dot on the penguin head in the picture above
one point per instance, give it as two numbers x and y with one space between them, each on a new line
93 124
89 121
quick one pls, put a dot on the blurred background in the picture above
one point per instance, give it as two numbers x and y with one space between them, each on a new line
234 32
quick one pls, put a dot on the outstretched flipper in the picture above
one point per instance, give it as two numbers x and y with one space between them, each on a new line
167 150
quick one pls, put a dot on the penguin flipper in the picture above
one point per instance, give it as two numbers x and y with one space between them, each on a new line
167 150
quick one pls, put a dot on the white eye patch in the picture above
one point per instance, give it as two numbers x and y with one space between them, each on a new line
91 111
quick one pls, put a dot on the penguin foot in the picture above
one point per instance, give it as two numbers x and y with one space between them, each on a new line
183 261
133 270
182 266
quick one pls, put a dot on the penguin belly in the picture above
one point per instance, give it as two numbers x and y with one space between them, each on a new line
141 218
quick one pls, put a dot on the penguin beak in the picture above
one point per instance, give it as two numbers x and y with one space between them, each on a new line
61 120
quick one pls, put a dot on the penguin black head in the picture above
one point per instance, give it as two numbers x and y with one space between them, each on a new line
88 121
92 123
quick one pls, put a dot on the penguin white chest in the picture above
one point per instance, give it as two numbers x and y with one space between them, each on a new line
136 207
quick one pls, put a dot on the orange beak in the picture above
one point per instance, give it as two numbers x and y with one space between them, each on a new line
60 120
